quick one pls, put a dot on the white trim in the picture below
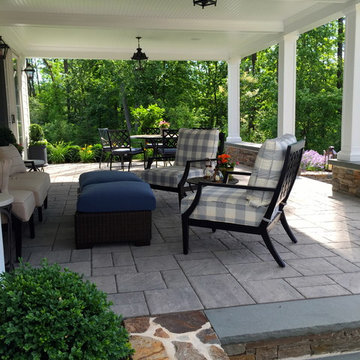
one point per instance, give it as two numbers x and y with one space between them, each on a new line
287 84
350 126
234 100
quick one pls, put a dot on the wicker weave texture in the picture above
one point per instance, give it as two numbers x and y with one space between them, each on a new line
112 227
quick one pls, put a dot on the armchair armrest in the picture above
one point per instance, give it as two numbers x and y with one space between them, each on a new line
196 200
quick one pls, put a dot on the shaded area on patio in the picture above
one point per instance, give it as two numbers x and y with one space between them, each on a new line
222 269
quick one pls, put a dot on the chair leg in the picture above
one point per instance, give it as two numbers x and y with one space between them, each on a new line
287 228
32 227
185 231
46 203
17 224
40 214
271 248
111 159
101 155
130 160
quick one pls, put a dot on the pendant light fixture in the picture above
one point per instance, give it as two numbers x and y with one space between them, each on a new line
3 49
29 70
204 3
139 56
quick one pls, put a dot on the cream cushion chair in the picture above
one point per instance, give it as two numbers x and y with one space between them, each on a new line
23 205
37 182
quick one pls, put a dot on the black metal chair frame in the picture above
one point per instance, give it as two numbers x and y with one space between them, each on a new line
167 149
120 145
105 143
279 199
181 188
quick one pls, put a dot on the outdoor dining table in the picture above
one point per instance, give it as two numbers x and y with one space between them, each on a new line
154 139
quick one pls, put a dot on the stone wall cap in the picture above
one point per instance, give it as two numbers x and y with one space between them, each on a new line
249 323
346 164
245 145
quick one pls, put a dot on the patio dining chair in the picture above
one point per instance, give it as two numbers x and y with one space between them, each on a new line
167 149
254 208
120 146
194 147
105 143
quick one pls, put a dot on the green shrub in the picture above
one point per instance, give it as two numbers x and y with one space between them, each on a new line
58 152
49 314
72 155
149 117
37 135
6 137
97 149
87 154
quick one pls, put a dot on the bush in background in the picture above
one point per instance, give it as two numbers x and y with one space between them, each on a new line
312 161
72 155
46 313
58 151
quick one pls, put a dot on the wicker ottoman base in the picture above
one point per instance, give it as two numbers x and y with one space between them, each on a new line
112 227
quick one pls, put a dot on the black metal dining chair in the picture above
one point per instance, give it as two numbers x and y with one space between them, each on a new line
120 146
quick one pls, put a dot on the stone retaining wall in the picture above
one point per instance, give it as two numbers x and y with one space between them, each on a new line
316 344
346 177
243 153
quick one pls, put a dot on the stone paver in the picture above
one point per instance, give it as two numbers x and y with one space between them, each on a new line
223 268
220 291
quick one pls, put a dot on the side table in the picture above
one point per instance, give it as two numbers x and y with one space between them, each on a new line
195 181
35 165
6 201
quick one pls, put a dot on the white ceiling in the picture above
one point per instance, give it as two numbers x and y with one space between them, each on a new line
170 29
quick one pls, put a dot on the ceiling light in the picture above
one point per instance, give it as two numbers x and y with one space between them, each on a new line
3 49
29 70
139 55
204 3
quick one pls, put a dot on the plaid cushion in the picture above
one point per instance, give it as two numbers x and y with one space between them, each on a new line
225 205
196 144
167 176
267 168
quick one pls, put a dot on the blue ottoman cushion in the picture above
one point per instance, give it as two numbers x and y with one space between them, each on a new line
98 176
116 196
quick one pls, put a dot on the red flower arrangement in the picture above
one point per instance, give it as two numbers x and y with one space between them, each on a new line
224 161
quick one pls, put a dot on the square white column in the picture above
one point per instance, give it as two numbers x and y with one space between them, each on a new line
350 123
234 101
287 84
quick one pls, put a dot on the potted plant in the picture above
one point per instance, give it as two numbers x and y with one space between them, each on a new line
47 313
224 164
37 147
7 137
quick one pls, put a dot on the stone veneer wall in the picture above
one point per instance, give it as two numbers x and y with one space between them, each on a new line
346 177
244 153
315 344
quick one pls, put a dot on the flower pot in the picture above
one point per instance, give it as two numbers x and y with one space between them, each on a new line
224 170
37 152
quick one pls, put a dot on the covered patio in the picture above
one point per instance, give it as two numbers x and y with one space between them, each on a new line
224 271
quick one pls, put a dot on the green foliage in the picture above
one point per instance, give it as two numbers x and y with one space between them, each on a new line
87 154
97 150
72 155
46 313
58 152
76 97
36 135
149 117
6 137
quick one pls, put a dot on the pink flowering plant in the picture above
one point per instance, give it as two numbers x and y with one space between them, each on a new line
164 124
312 161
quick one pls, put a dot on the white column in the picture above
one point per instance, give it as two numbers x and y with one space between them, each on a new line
234 101
287 84
350 126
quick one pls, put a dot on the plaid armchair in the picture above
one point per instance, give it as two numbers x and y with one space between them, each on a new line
252 208
193 148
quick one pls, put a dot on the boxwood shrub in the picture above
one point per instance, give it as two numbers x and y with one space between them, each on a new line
46 313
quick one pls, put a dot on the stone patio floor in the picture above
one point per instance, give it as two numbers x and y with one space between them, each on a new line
223 269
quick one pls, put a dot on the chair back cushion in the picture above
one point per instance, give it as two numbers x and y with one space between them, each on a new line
11 153
196 144
267 169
